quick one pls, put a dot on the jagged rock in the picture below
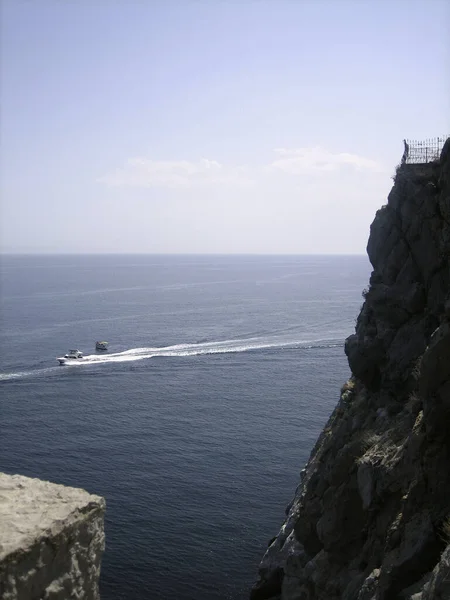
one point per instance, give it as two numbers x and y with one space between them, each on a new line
369 587
341 524
366 483
417 552
438 586
371 517
409 250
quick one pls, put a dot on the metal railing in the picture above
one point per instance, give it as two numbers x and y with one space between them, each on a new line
422 151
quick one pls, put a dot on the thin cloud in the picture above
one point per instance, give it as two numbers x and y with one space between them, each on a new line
148 173
298 161
144 172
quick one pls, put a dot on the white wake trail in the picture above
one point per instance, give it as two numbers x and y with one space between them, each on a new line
197 349
182 350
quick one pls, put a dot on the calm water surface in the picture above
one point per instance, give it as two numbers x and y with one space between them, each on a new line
221 372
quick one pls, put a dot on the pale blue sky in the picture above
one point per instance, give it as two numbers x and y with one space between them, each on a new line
212 126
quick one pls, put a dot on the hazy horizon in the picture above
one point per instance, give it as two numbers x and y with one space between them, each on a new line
262 128
363 254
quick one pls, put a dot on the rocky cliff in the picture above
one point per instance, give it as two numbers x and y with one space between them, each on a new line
51 540
370 519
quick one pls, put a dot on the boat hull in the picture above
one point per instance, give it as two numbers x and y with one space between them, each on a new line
71 355
69 360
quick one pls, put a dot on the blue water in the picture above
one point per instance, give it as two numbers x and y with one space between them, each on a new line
220 374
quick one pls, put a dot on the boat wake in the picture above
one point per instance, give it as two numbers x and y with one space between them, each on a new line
182 350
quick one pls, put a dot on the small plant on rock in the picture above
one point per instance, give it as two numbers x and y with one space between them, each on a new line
445 530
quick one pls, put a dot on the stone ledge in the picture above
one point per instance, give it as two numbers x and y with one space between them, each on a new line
51 540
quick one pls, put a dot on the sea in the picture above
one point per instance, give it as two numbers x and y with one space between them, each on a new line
220 374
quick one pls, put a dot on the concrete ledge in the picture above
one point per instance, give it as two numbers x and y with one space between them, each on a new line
51 540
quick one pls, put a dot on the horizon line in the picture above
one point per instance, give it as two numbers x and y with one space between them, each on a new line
182 254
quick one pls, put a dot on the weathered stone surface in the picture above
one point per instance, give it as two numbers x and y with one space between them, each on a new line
371 517
51 540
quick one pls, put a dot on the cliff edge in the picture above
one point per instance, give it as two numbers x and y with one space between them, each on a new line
370 519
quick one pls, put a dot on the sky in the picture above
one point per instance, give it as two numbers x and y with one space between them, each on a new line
211 126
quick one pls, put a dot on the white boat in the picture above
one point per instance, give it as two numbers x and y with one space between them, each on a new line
101 345
71 355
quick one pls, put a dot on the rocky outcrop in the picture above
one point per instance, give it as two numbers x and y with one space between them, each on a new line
51 540
370 519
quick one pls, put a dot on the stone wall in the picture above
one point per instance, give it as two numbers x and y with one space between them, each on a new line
51 540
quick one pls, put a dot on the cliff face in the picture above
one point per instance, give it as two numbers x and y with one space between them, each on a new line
51 540
370 519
